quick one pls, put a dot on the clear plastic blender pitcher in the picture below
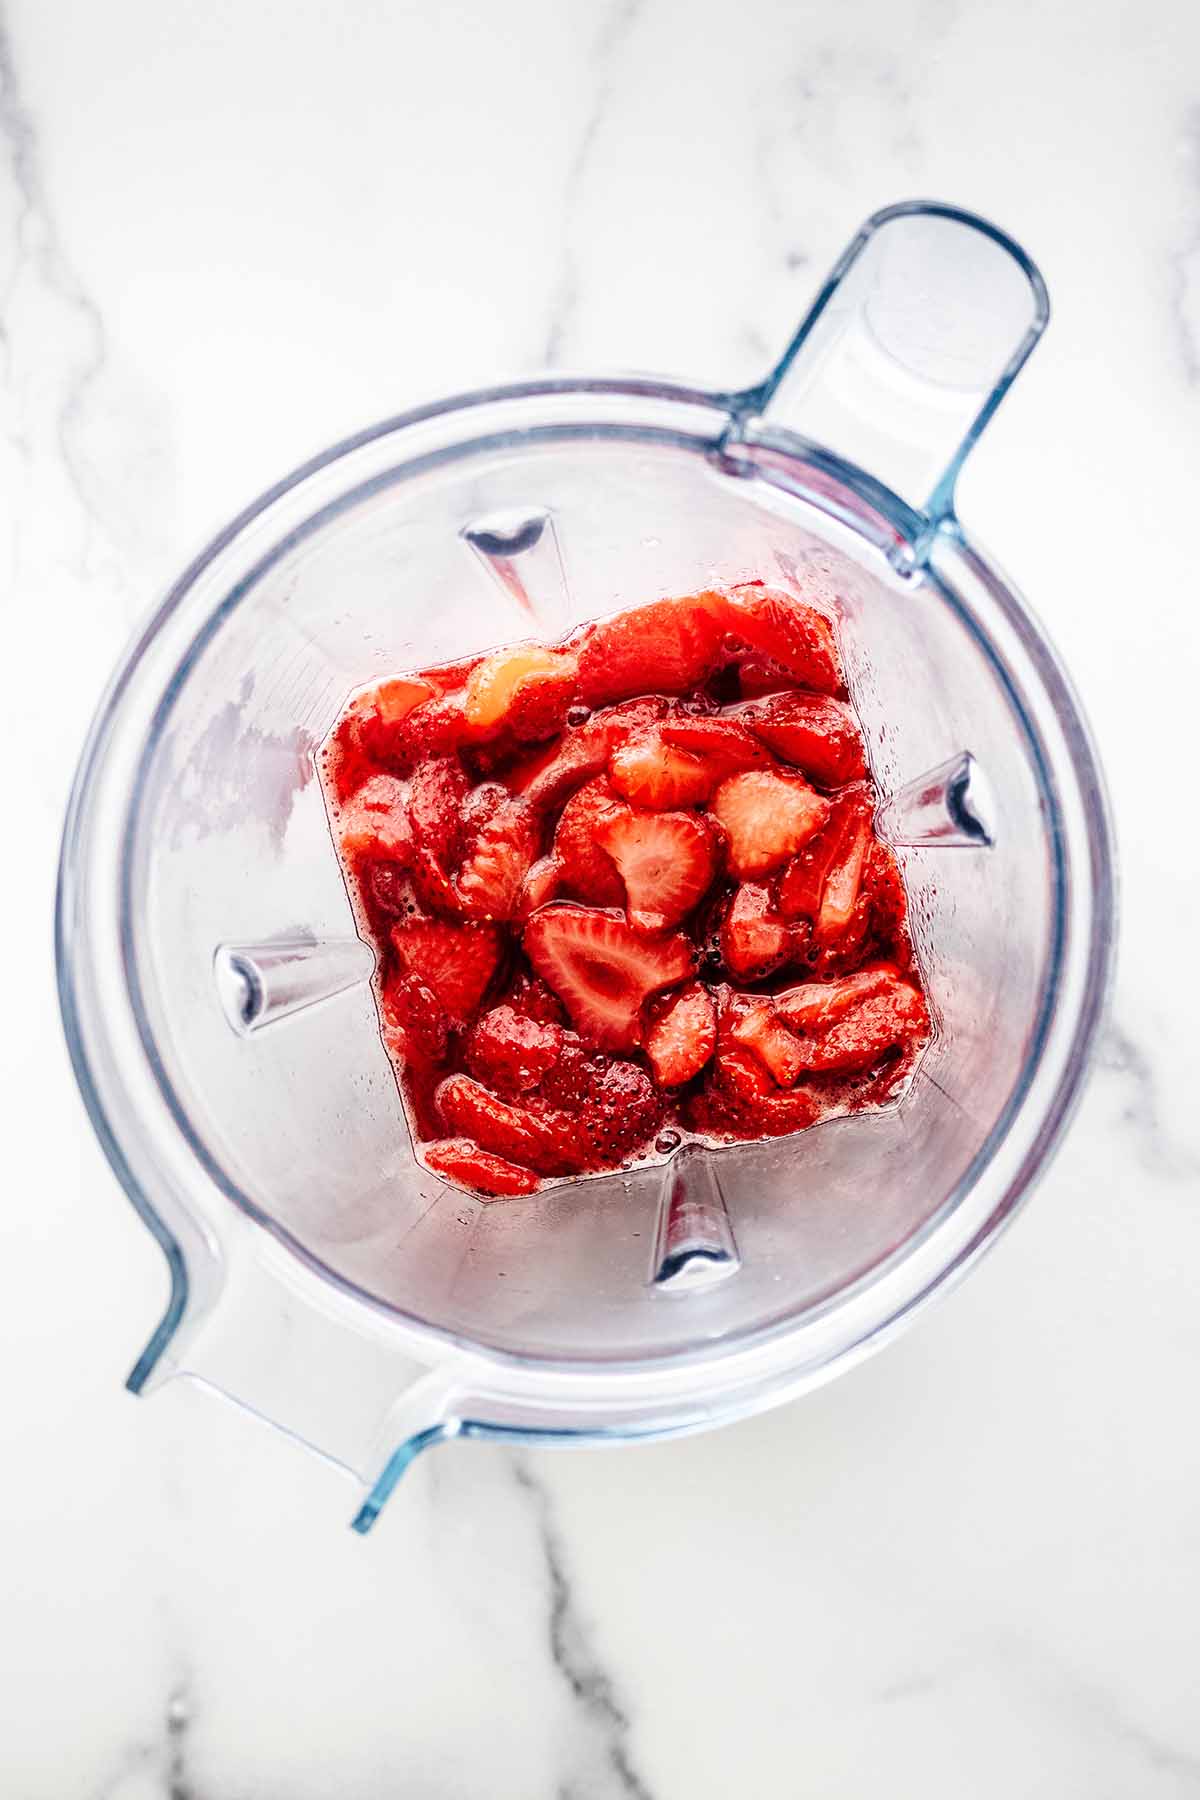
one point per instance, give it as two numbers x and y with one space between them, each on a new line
217 1000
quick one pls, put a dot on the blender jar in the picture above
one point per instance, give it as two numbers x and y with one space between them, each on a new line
217 1000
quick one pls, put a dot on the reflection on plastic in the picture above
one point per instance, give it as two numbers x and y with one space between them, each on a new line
694 1244
260 983
947 805
521 552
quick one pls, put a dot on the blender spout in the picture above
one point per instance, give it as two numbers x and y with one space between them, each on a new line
916 335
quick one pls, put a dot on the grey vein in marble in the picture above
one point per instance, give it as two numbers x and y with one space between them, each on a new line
610 40
165 1760
590 1685
35 246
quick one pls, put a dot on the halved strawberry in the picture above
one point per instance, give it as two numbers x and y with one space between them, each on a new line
612 1103
666 860
816 733
461 1160
393 700
374 720
884 886
682 1035
629 718
758 675
877 1019
740 1098
760 1029
387 889
603 970
653 773
768 818
436 793
725 744
813 1005
376 822
823 881
400 740
793 634
586 869
843 878
510 1052
544 1140
664 648
449 678
497 861
525 690
539 887
529 995
414 1013
456 962
754 939
546 780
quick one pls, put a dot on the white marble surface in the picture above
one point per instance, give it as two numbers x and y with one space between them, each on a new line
227 234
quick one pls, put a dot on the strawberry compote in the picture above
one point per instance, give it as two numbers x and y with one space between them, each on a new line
624 886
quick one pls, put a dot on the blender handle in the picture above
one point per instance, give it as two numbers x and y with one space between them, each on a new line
248 1323
912 342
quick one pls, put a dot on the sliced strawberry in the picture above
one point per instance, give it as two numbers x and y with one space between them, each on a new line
682 1035
666 860
376 822
754 939
497 861
388 890
553 775
544 1140
481 806
859 1024
449 678
436 890
664 648
539 886
816 733
612 1103
884 887
461 1160
528 995
760 1029
547 779
824 880
653 773
811 1006
768 818
525 690
455 962
758 675
726 745
843 879
740 1099
602 970
345 764
510 1052
799 888
585 868
414 1013
400 740
394 700
719 1112
796 636
437 790
629 718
